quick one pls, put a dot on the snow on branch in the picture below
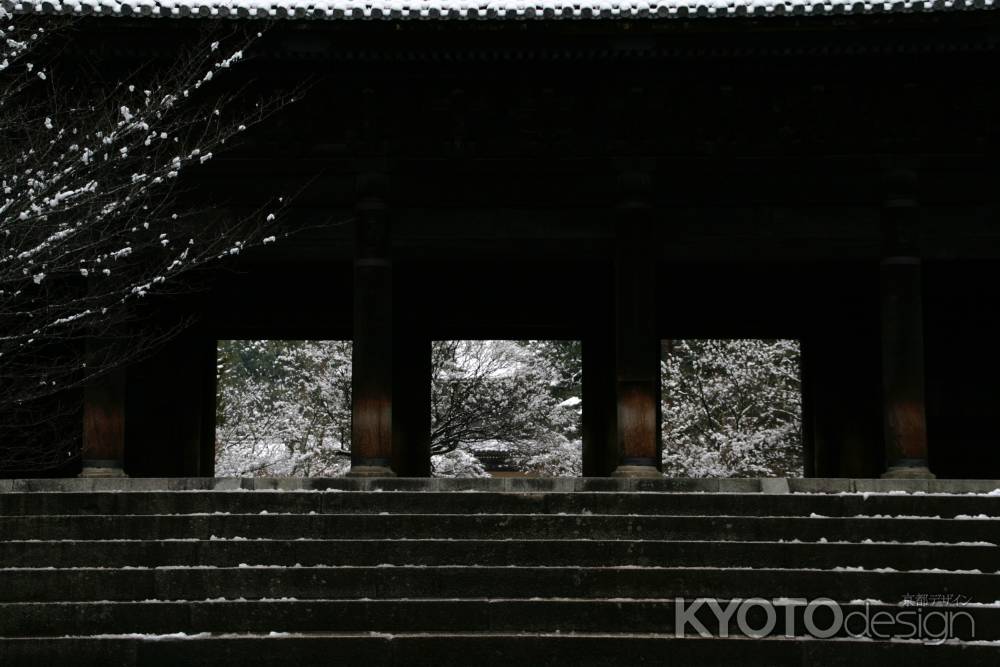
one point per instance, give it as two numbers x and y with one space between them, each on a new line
91 224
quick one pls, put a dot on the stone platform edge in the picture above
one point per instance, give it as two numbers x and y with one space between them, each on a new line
501 485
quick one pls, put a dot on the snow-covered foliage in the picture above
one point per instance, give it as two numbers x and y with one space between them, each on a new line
511 396
284 408
559 457
89 222
457 463
732 408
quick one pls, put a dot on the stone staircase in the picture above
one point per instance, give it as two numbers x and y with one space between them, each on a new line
494 572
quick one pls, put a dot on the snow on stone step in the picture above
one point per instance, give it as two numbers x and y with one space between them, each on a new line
407 581
221 551
302 502
486 9
533 577
485 648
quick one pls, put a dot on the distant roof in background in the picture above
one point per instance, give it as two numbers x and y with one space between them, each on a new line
485 9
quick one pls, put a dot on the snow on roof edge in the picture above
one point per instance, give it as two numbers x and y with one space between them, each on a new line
483 9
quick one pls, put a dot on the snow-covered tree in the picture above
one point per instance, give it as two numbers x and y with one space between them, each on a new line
90 220
284 408
732 408
554 456
489 390
457 463
518 397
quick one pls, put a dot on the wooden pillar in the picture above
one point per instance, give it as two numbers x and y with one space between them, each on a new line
637 346
372 372
903 368
904 412
104 426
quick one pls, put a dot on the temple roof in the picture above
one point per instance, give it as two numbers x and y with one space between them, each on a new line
486 9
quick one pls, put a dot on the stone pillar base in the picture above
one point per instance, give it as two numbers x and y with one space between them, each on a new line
94 468
908 472
371 471
636 471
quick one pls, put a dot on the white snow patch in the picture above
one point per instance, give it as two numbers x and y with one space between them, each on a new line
483 9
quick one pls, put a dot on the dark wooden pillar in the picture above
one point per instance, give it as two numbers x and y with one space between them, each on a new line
903 368
104 426
372 372
637 346
904 412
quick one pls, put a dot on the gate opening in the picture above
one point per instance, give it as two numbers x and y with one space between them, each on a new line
731 408
498 408
283 408
506 408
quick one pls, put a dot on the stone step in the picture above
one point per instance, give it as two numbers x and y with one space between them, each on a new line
253 582
516 484
456 615
484 649
492 526
534 572
230 553
303 502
